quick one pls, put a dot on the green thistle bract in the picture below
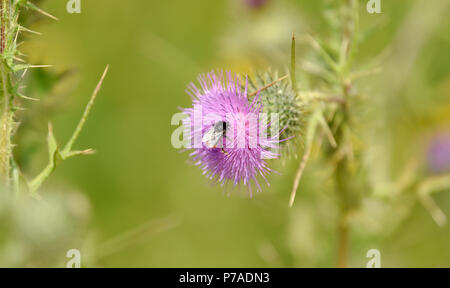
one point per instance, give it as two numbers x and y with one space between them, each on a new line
279 98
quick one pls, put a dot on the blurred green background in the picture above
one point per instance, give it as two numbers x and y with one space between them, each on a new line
148 206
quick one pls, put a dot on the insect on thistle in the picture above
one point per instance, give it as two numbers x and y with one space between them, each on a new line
215 135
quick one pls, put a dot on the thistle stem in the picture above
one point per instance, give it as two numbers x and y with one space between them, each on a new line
6 117
347 197
344 191
343 242
5 147
3 11
343 229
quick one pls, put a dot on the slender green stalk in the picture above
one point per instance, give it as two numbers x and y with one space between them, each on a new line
343 241
348 199
83 119
55 154
5 147
293 64
343 176
6 117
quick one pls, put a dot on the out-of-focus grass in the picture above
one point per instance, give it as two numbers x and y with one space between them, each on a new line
155 48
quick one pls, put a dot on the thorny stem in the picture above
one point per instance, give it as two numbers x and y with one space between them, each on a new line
5 140
6 113
3 28
342 176
9 30
342 173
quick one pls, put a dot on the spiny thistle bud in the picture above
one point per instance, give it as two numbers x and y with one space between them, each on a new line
277 97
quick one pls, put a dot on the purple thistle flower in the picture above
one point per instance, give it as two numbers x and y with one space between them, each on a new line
239 156
439 153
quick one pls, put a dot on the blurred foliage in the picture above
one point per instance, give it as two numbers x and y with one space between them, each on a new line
155 48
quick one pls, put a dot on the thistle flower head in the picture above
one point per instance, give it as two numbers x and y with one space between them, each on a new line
225 132
279 98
